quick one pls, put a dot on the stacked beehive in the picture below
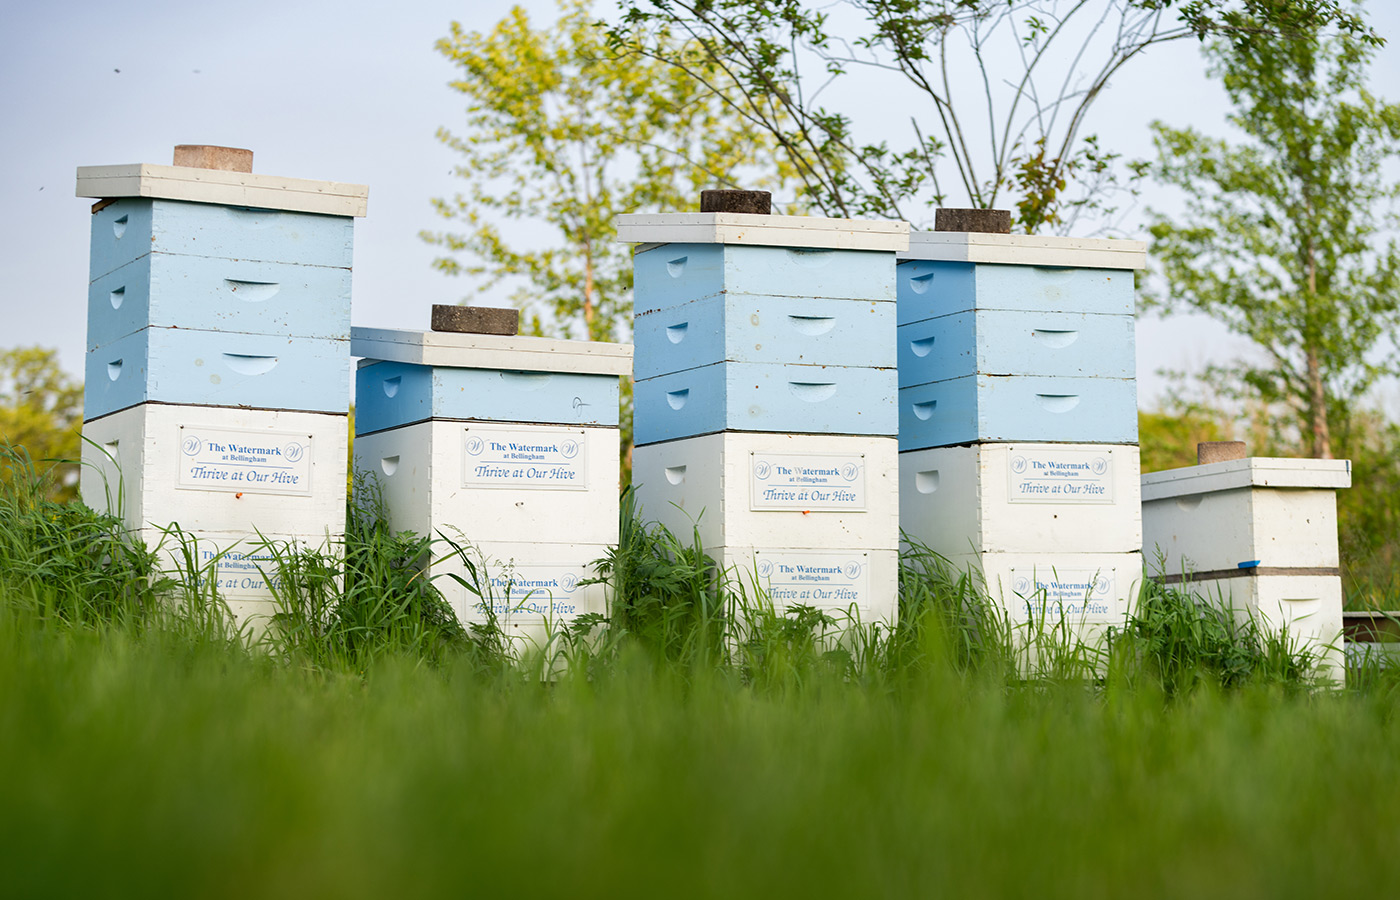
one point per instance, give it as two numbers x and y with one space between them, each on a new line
1259 536
1018 417
218 358
764 404
508 447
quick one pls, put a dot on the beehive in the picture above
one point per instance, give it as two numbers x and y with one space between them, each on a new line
507 447
1258 535
218 362
1018 418
765 413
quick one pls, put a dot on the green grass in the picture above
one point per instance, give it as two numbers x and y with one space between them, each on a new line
148 766
694 743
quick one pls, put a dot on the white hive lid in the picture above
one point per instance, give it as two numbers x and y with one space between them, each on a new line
1251 472
808 232
1026 250
491 351
196 185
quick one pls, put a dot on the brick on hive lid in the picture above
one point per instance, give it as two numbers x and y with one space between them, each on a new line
1208 452
475 319
209 156
978 221
733 201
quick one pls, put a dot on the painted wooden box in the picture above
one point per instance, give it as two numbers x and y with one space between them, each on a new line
132 227
1019 408
393 394
1305 609
219 295
756 328
531 588
1016 342
932 288
216 368
1022 498
854 586
1043 590
765 397
772 490
1243 513
497 481
234 471
671 274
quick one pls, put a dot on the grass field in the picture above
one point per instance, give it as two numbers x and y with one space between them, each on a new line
379 750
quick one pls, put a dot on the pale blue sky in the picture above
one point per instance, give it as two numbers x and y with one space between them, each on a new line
332 91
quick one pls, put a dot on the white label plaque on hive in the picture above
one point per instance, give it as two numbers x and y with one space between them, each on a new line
533 590
553 459
827 580
253 462
1055 593
1060 476
814 482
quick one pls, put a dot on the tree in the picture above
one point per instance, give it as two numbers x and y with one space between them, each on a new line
563 131
1002 89
1281 238
41 412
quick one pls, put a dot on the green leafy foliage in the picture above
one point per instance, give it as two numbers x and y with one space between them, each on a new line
1283 237
566 132
997 93
41 410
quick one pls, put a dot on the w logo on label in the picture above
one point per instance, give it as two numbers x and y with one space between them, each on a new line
852 570
762 468
1022 585
1100 465
192 446
569 582
1102 585
475 446
765 568
293 451
569 449
1018 464
849 471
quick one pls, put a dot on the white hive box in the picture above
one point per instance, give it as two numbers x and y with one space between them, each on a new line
1259 535
1097 588
743 489
1242 513
854 586
243 566
208 469
1022 498
531 587
560 486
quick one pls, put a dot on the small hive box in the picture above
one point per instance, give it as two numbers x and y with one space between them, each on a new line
1258 535
506 446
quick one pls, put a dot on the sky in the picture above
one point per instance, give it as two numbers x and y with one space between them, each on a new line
355 93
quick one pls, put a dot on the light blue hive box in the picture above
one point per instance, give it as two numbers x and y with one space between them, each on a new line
1016 338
